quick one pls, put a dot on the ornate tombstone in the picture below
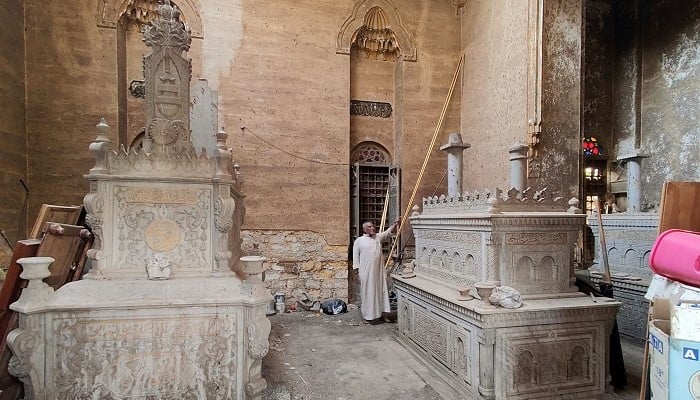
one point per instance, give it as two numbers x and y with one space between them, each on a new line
555 345
161 314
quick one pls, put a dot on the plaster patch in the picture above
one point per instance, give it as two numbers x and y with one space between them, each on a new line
223 36
683 61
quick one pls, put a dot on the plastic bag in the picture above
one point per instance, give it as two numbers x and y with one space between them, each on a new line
334 307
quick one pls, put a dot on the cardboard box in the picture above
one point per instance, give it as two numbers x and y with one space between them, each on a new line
659 359
685 320
684 362
684 354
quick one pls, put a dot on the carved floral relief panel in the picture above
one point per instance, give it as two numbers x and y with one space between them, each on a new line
431 333
160 223
187 357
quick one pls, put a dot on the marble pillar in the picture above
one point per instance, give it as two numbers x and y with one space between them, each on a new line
634 180
518 166
455 149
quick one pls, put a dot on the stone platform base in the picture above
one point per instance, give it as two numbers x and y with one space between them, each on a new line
200 338
548 349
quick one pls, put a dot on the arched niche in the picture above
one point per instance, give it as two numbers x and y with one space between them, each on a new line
108 13
355 21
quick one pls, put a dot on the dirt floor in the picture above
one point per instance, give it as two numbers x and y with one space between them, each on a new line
314 356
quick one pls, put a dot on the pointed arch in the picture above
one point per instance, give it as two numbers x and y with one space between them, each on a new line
405 39
370 153
109 12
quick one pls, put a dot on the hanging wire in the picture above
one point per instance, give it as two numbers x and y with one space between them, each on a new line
245 129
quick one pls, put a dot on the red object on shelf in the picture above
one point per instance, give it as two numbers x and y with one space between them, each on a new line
676 255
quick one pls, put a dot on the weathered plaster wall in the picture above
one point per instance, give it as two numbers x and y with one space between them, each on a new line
372 80
13 152
670 102
71 83
424 88
626 63
290 90
561 97
494 90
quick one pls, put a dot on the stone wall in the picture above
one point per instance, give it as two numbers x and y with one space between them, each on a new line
670 105
300 262
494 88
13 152
499 92
560 141
598 73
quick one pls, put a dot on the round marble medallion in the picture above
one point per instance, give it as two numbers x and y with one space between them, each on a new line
163 235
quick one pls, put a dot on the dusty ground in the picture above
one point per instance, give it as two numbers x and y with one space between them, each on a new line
314 356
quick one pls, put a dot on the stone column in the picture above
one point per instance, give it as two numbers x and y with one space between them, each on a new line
634 180
518 167
454 148
486 364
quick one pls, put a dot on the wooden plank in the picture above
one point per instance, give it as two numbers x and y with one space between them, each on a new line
51 213
65 243
680 206
12 286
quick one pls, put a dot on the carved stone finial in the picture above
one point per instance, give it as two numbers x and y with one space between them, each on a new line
102 131
493 205
167 31
415 211
573 206
100 148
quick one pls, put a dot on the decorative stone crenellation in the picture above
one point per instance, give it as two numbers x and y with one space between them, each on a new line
494 201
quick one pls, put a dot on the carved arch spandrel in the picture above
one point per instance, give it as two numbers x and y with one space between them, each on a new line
406 40
108 12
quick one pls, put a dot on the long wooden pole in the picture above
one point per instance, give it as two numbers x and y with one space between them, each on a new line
427 156
384 211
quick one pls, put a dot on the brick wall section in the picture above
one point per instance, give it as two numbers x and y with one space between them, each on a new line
13 151
300 262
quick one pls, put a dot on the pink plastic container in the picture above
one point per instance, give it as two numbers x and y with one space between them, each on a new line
676 255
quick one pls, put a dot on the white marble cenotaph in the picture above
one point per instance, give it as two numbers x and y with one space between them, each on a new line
161 314
553 346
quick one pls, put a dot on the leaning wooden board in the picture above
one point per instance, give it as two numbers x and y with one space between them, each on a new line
52 213
680 206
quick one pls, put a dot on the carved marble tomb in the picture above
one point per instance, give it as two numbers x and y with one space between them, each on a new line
161 314
554 346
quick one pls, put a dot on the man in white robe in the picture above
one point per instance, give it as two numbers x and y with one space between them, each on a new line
367 257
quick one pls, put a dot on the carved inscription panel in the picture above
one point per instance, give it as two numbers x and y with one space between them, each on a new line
145 358
170 224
